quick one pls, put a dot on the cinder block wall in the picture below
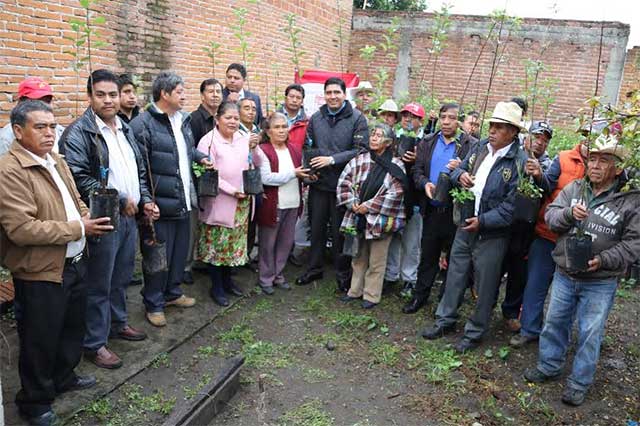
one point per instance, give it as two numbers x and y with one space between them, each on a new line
571 56
147 36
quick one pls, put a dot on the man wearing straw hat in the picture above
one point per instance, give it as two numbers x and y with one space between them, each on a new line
102 151
490 172
602 208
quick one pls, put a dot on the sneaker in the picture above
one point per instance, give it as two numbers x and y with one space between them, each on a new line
519 340
534 375
181 302
573 397
157 319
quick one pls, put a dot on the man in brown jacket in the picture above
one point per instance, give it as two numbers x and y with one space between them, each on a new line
43 228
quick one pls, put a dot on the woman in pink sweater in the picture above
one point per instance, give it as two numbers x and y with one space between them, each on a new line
225 218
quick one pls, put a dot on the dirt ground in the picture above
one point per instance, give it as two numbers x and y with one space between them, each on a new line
325 363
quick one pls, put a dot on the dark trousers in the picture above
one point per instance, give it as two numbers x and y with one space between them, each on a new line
165 286
485 255
438 231
110 269
515 265
51 323
322 211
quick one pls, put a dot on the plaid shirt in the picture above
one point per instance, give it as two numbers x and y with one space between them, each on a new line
385 210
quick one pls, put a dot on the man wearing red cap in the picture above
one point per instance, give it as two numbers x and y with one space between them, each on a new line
30 88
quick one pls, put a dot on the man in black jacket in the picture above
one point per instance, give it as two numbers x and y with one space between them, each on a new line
102 151
436 153
337 133
234 90
164 135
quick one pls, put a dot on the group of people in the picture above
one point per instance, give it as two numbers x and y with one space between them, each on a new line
367 180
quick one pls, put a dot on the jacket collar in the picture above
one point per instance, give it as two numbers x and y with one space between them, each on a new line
160 115
25 159
345 111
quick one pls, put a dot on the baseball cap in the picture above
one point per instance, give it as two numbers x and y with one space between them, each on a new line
414 108
541 127
34 88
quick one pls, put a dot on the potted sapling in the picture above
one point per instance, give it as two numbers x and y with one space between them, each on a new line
351 241
464 205
207 179
104 201
527 198
251 180
443 186
579 246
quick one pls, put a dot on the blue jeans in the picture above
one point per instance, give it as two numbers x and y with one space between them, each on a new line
587 301
110 268
539 274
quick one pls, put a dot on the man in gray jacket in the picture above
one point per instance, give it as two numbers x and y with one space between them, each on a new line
598 208
335 135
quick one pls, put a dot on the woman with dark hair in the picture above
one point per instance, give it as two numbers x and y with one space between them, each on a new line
225 218
371 187
280 170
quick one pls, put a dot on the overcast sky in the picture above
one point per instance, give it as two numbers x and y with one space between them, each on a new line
626 11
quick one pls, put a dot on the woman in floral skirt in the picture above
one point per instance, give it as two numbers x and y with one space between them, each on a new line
225 218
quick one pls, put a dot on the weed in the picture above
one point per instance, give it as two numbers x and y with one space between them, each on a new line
385 353
161 360
525 399
190 393
100 408
308 414
351 321
504 352
263 306
139 405
314 305
634 350
262 354
204 352
240 333
435 362
316 375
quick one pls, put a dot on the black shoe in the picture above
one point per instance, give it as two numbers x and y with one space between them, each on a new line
534 375
346 298
48 418
306 278
268 290
135 281
436 331
233 289
81 382
343 286
187 277
368 305
573 397
220 299
466 345
414 305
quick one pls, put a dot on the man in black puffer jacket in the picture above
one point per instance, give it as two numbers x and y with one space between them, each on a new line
164 134
336 133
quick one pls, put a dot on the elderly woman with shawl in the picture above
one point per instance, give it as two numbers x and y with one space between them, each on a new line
371 187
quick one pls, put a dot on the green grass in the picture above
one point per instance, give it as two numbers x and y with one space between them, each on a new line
316 375
192 392
350 321
261 354
204 352
308 414
161 360
385 353
435 362
239 333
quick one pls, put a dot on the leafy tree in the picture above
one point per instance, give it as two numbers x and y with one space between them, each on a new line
402 5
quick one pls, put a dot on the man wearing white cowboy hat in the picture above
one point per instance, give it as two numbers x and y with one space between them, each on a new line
363 96
490 172
599 207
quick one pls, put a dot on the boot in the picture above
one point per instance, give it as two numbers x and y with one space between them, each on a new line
227 283
217 289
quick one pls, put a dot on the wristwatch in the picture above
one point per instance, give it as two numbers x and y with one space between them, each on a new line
333 161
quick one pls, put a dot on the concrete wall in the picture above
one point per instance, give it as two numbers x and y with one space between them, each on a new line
631 79
571 57
146 36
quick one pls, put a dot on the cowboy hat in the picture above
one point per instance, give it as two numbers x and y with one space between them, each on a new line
608 144
389 106
364 86
509 113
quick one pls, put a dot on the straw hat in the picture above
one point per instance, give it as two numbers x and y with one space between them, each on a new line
607 144
389 106
509 113
364 86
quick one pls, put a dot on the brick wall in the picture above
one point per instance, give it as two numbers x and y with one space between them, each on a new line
571 57
146 36
631 79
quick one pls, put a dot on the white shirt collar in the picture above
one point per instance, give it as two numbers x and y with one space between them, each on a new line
46 162
500 152
102 125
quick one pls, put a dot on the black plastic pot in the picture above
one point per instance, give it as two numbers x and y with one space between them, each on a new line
579 252
464 211
252 182
634 271
526 209
208 184
351 245
105 202
154 256
405 143
443 185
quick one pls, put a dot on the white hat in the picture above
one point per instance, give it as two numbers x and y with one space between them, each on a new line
363 86
389 106
509 113
608 144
